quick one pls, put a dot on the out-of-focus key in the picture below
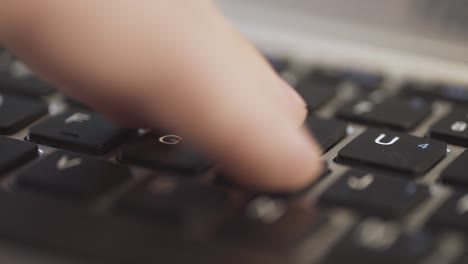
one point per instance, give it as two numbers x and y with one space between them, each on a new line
452 128
395 113
452 215
327 132
80 130
27 85
70 175
17 112
375 194
175 202
270 224
316 96
455 173
15 152
394 151
376 241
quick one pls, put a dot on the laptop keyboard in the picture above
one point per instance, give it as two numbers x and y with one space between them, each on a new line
393 191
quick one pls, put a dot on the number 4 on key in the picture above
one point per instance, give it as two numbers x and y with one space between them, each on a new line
423 146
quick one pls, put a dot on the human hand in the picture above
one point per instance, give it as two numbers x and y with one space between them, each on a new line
176 64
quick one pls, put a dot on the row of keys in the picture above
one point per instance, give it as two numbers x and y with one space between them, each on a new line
17 112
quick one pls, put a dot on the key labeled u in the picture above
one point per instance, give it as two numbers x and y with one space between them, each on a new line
380 140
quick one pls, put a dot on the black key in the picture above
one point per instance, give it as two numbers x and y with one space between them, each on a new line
79 131
428 91
71 175
453 214
316 95
395 151
462 260
327 132
364 79
15 152
279 64
375 241
453 128
175 202
270 224
17 112
437 91
31 86
395 113
455 173
324 76
60 229
375 194
166 152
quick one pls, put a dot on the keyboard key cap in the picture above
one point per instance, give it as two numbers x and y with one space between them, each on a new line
375 241
375 194
78 131
30 85
15 152
324 76
327 132
453 128
424 90
363 78
165 152
17 112
455 173
175 202
395 151
279 64
395 113
72 175
316 95
270 224
453 214
437 91
61 229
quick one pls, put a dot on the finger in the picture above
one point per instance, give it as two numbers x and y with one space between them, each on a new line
176 64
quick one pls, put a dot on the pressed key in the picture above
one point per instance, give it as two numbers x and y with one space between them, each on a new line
327 132
72 175
453 128
376 241
166 152
17 112
455 173
395 113
15 152
30 86
375 194
271 224
453 214
175 202
316 95
395 151
81 130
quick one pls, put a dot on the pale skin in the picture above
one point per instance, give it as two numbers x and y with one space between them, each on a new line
176 64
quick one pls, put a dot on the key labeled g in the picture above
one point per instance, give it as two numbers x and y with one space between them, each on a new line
170 139
379 140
